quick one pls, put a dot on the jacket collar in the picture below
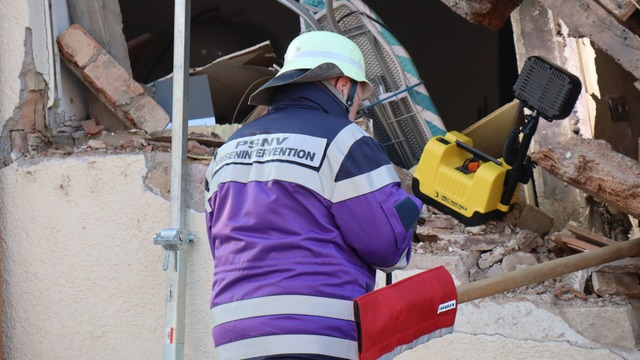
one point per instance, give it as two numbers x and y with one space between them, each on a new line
310 96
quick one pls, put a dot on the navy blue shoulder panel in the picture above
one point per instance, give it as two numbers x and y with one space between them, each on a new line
365 155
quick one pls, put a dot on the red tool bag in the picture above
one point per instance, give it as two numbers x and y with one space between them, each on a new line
401 316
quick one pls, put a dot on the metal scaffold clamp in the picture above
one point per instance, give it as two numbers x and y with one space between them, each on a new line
173 240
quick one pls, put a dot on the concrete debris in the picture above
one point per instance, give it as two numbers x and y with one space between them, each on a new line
500 247
576 280
518 260
529 217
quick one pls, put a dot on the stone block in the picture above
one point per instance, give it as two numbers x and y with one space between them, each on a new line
531 218
624 284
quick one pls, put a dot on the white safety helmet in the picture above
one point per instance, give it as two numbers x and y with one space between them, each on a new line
315 56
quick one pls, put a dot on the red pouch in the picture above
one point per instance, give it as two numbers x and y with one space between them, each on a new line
401 316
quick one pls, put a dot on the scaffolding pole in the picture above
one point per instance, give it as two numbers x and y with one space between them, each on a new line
174 239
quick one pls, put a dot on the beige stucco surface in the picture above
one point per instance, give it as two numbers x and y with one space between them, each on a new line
14 18
82 279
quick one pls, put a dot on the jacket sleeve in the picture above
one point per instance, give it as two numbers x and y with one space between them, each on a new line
377 218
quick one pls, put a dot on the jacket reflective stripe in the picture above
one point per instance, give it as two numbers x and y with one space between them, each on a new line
288 344
265 172
364 184
283 304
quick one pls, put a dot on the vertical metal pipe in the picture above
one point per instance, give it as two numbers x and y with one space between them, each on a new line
179 111
177 275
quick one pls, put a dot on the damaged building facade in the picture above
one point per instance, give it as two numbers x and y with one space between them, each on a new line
85 182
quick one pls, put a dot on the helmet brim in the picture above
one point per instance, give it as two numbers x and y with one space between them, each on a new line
324 71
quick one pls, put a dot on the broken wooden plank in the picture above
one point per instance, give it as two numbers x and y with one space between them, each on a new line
621 9
207 140
578 244
586 235
593 167
587 18
568 242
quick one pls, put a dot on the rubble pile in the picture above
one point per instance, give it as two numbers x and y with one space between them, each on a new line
516 242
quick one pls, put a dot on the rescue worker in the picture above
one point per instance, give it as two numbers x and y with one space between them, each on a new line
302 207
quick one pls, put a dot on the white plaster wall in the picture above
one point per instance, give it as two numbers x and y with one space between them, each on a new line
14 18
82 278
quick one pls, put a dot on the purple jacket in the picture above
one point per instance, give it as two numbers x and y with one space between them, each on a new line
302 207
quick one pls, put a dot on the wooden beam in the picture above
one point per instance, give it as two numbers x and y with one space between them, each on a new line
593 167
587 18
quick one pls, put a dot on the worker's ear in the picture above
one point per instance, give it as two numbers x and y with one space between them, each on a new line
342 83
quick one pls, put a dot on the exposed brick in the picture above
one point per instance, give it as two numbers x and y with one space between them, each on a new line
91 127
112 81
148 115
77 46
27 120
